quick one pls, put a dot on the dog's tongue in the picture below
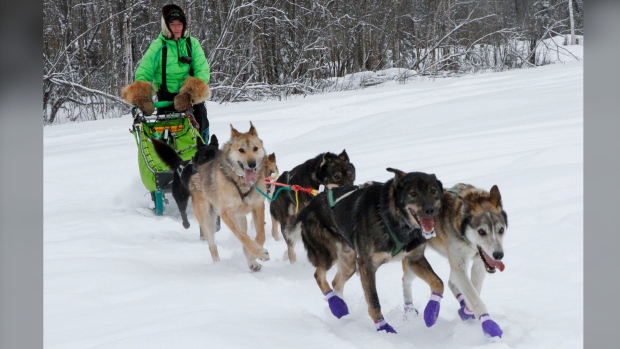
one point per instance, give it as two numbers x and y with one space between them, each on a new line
249 176
493 263
428 223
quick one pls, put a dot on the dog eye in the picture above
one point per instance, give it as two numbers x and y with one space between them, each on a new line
337 176
482 232
501 230
255 148
433 191
241 150
413 194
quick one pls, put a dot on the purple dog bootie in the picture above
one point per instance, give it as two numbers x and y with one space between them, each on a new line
490 327
382 325
431 312
336 304
464 311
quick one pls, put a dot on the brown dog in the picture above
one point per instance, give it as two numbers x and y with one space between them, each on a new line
226 187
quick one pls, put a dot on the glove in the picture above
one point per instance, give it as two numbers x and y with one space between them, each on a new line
381 325
182 102
336 304
432 309
146 106
490 327
139 94
464 312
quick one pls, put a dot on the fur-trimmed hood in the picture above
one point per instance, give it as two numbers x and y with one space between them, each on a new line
166 12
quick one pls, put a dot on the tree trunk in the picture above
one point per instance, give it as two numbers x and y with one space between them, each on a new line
572 22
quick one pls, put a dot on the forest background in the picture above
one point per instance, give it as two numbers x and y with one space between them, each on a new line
275 49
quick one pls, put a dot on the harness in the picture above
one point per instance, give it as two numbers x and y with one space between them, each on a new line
288 178
398 245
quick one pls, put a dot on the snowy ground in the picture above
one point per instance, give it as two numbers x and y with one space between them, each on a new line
116 276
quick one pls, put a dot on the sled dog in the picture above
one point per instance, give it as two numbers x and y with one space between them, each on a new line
226 187
271 171
367 226
470 227
182 172
327 169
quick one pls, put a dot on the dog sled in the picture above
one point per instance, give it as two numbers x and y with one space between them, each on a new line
174 128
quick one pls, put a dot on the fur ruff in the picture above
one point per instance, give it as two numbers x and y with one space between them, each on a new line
137 91
193 91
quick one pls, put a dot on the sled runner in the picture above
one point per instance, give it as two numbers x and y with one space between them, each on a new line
174 128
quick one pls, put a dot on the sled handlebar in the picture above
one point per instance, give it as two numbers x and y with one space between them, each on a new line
162 104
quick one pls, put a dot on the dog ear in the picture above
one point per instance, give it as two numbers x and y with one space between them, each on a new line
343 156
325 160
272 157
398 174
233 131
252 130
496 197
214 141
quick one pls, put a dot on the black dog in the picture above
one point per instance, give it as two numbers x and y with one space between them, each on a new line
327 169
182 171
373 224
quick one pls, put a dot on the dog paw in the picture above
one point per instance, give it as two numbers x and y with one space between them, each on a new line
382 325
254 266
464 312
337 305
431 312
410 312
186 225
263 255
489 327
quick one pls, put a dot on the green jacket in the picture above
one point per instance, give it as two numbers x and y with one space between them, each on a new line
149 68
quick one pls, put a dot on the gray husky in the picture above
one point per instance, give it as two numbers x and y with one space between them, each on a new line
470 228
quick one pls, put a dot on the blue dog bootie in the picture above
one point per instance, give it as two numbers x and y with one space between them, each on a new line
336 304
464 311
431 312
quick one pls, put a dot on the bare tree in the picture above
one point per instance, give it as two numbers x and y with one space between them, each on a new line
273 49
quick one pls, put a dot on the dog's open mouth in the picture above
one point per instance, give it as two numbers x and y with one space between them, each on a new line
489 263
249 174
427 224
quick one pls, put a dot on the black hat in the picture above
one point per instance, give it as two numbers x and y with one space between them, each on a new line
174 15
170 12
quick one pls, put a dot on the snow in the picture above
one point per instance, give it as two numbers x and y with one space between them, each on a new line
117 276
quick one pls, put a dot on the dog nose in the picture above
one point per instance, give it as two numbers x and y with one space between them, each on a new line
251 164
429 210
498 255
